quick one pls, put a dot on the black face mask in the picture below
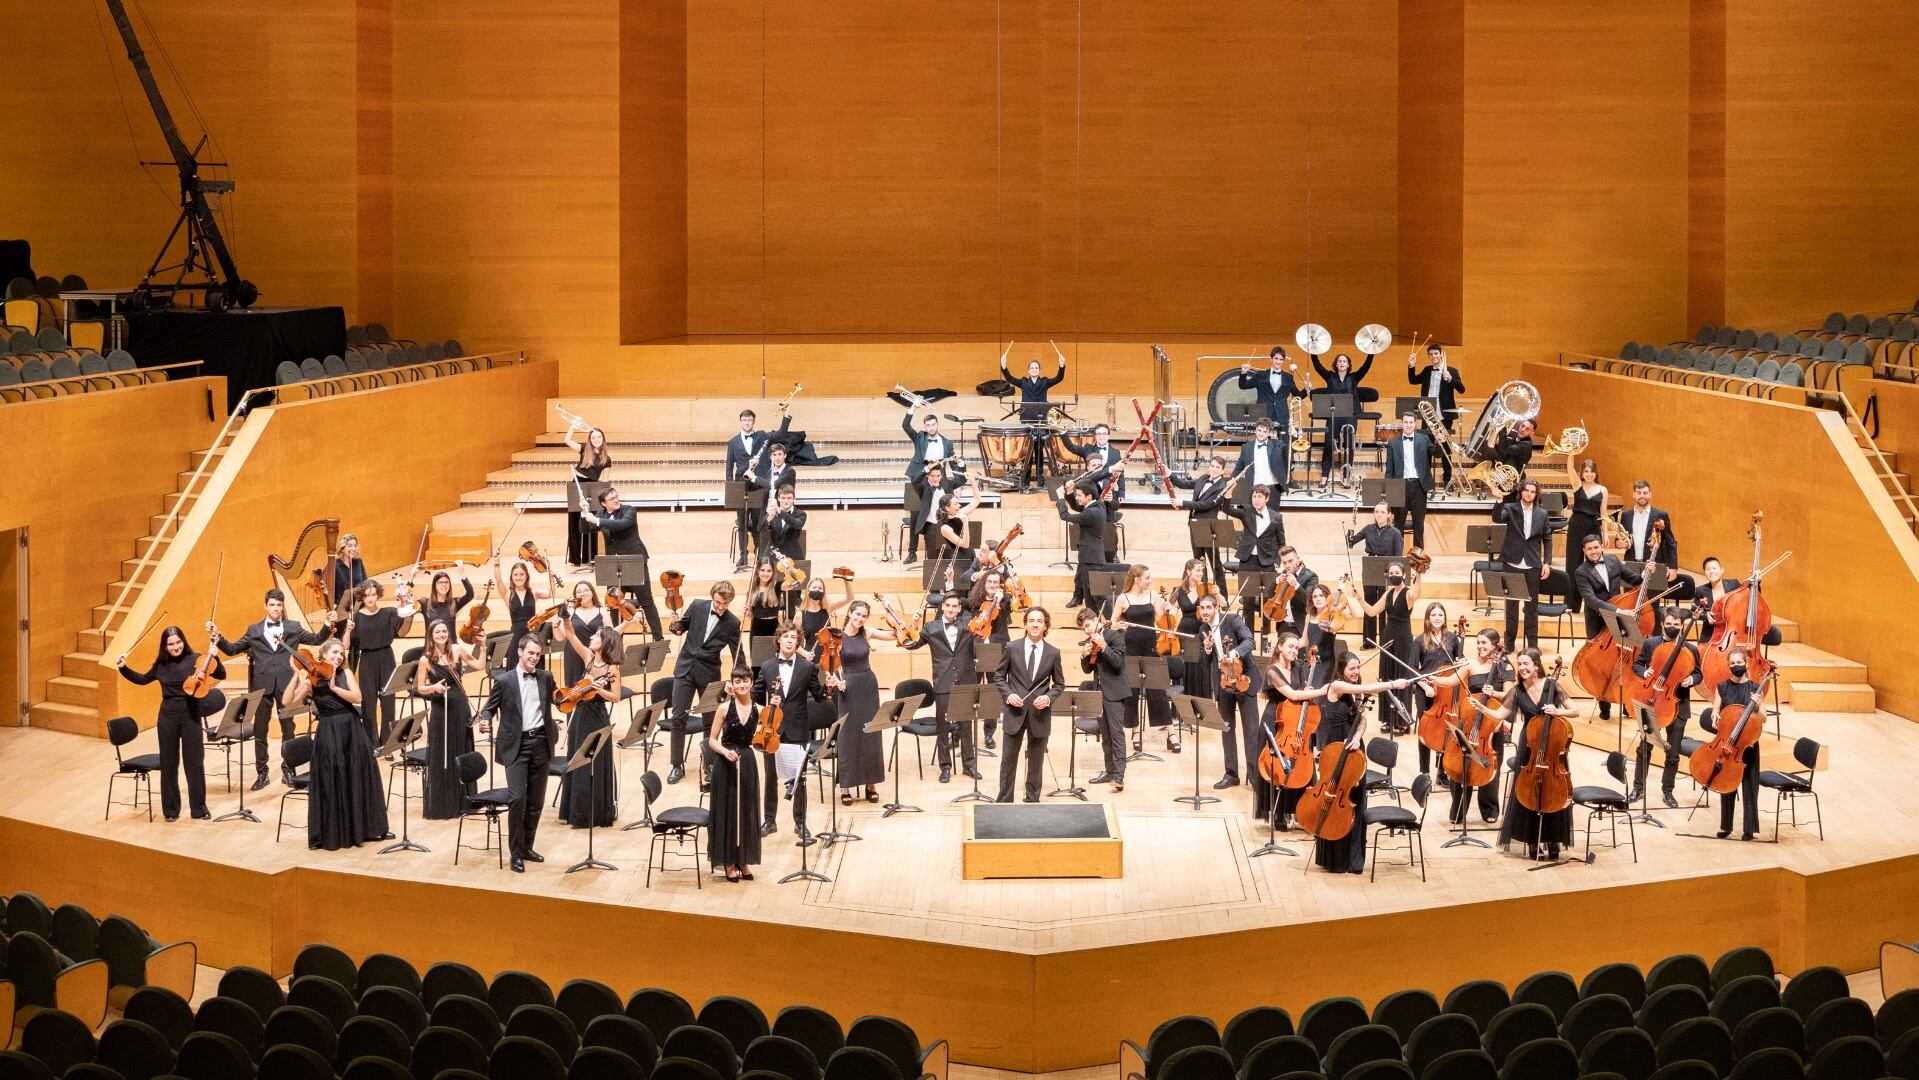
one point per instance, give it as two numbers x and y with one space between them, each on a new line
1738 670
817 594
1672 633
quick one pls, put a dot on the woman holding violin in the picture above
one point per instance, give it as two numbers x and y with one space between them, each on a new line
1734 695
440 602
582 543
1393 610
1485 677
1199 675
581 620
1343 723
1535 701
182 740
1436 649
439 679
370 633
989 596
862 753
733 842
1321 621
599 657
522 596
1139 607
345 807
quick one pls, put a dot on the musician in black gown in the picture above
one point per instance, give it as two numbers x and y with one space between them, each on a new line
370 632
349 570
182 740
735 841
439 679
1342 721
345 807
1342 381
582 543
1532 703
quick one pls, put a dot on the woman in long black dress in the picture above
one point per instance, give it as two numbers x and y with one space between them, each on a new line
370 631
1534 699
182 739
763 601
349 571
344 804
1394 612
1342 379
599 657
584 618
449 730
816 614
1196 677
1138 605
522 602
1344 721
1317 637
1436 649
1284 682
1588 509
1487 676
582 542
734 843
862 753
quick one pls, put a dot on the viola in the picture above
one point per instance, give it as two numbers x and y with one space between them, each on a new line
1326 808
791 576
1544 784
530 552
200 683
475 629
981 625
766 738
568 698
1720 764
843 573
618 608
1232 674
670 581
546 616
1277 606
1741 619
316 669
1601 664
1334 619
1011 535
907 630
1672 664
1166 643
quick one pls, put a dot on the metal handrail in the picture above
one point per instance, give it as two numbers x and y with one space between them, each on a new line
331 385
1886 475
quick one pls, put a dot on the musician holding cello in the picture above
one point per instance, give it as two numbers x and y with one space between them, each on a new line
1539 813
1600 579
1736 696
1289 711
1485 678
182 740
1342 767
1654 660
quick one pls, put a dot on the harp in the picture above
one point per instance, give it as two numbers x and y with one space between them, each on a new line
318 536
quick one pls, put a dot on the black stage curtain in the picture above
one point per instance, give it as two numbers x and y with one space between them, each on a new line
245 346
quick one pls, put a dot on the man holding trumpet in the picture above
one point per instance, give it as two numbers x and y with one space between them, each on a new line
929 448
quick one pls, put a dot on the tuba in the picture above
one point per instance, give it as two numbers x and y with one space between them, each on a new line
1511 403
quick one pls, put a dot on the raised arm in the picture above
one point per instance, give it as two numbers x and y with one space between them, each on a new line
1321 369
1359 373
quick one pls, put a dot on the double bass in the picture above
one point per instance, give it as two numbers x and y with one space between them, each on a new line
1672 664
1602 661
1544 784
1741 619
1326 809
1720 764
1287 760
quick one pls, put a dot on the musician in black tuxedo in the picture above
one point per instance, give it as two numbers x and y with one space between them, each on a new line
1671 628
935 486
1225 635
711 632
621 527
1409 457
1597 579
1100 460
786 529
269 645
1263 460
1636 524
1262 534
928 444
1108 668
1209 500
1515 447
794 683
1527 551
1438 380
1079 505
1293 568
953 665
1273 388
1033 407
523 740
763 491
745 453
1030 678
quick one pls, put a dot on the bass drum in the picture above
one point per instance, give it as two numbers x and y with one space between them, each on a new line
1065 455
1225 392
1004 448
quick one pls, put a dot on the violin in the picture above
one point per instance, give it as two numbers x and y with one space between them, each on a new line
904 629
1601 663
1672 664
619 609
843 573
1741 620
1166 643
1334 619
475 629
766 738
1326 808
1720 764
546 616
827 643
201 682
670 581
530 553
1443 712
791 576
316 669
568 698
1287 760
1544 784
1278 606
1232 675
981 625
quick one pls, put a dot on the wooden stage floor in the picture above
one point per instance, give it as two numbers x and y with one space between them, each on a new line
1025 975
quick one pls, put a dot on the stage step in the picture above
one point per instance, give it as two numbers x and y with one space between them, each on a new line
1845 697
82 665
73 719
68 690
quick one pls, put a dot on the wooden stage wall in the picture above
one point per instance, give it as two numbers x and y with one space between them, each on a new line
1794 463
1032 1013
86 473
382 461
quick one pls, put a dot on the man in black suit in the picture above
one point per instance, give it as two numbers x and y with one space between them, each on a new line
1108 668
1597 580
523 741
763 491
1100 459
745 453
794 683
1033 407
1273 388
711 631
1527 551
1080 506
1294 571
1209 501
1029 677
1226 635
1515 448
1409 457
621 527
1261 534
1263 461
786 531
269 645
953 665
1438 380
1637 522
929 447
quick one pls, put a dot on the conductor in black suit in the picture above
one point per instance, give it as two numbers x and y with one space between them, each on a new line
1527 551
1108 668
523 740
269 645
1409 457
1029 677
711 631
1438 380
621 527
1079 505
1598 579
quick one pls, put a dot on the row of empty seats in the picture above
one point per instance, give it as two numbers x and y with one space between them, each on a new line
65 959
384 362
1682 1019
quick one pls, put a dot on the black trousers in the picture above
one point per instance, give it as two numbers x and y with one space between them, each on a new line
1029 741
1082 587
1112 735
686 690
582 540
770 782
752 524
1642 758
1241 713
1343 432
1594 624
1415 509
946 732
374 669
1748 795
183 743
1488 794
269 701
526 776
1532 613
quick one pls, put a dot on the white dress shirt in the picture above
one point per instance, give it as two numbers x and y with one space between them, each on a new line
276 634
1262 465
1434 381
1406 467
1641 521
532 704
786 677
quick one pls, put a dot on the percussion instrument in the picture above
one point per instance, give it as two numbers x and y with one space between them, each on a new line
1004 447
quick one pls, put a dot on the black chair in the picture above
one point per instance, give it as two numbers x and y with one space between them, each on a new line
1471 1063
1278 1056
815 1029
88 1070
1812 988
44 980
1199 1063
1252 1026
470 1015
684 1069
662 1011
292 1061
1766 1029
135 960
1627 1051
1556 990
1360 1046
1608 803
602 1063
15 1065
301 1026
1405 1010
209 1055
447 977
1516 1025
1383 1069
548 1025
1844 1018
134 1050
1384 753
521 1058
781 1056
76 933
703 1045
235 1019
1902 1058
1854 1057
1681 969
1592 1016
1899 1015
162 1010
255 988
1625 980
1329 1018
859 1063
1541 1059
327 962
386 969
585 1000
1770 1063
738 1019
1670 1005
137 770
1170 1037
323 996
677 826
1396 820
439 1049
922 726
372 1037
1742 997
1444 1034
28 914
1790 787
1685 1070
490 805
1480 999
624 1034
58 1039
297 755
512 989
1701 1038
397 1006
900 1044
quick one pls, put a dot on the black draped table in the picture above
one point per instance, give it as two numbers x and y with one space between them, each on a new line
245 345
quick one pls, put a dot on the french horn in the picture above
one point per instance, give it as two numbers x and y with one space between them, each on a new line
1572 440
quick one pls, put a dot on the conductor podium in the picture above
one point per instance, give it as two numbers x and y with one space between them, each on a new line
1040 840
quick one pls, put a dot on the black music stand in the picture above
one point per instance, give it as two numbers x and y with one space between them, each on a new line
811 760
1510 585
1256 585
1487 540
1403 405
234 729
1200 712
986 657
1145 673
892 716
1245 413
975 703
585 757
1076 705
1393 491
639 733
1105 584
405 730
1273 844
1213 534
734 497
1330 412
1109 539
913 500
830 747
617 570
1624 626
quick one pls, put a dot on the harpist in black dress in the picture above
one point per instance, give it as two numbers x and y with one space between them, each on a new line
735 842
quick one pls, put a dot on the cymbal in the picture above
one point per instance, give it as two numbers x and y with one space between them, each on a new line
1314 338
1373 339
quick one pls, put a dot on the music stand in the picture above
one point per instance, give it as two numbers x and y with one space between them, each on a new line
987 656
1393 491
1273 845
1214 533
1625 630
584 758
760 649
976 702
1333 411
1200 712
1104 584
617 570
893 716
1487 540
805 872
1256 585
639 732
234 729
1242 412
733 497
1403 405
1145 673
1372 569
1077 705
405 730
400 684
1508 585
830 747
585 495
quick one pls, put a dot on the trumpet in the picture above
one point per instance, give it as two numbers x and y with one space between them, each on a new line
913 401
1572 440
571 418
788 399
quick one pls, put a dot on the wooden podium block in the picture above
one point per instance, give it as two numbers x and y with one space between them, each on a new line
1040 840
470 546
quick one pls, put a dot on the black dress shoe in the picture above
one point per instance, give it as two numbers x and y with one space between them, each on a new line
1102 778
532 856
805 838
675 775
972 773
1671 803
1030 798
990 744
1225 782
259 782
203 814
1724 834
946 774
769 828
384 836
518 865
1119 786
173 817
1633 795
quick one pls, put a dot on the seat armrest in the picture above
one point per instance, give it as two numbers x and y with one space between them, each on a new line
173 967
82 991
933 1061
1132 1060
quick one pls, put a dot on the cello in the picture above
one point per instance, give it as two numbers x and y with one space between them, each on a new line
1326 808
1741 620
1720 764
1599 664
1443 712
1287 760
1544 784
1470 759
1671 665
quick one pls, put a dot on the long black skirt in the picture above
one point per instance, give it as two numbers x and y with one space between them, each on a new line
449 733
345 805
735 839
581 805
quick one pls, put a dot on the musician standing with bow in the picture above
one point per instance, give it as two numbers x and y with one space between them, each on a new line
1224 636
792 682
621 527
1029 678
953 665
1033 409
1105 660
269 645
594 460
